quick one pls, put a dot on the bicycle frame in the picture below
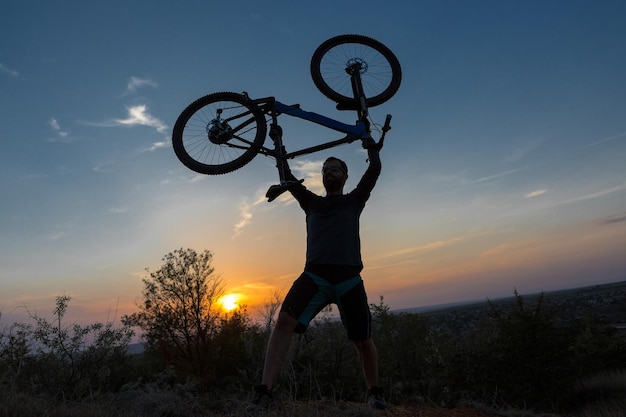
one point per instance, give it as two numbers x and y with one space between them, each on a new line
274 108
223 131
360 130
353 132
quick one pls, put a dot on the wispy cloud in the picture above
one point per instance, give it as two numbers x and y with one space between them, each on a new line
197 177
61 230
29 177
6 70
246 212
302 169
490 177
597 194
56 235
536 193
523 150
424 248
452 183
118 210
607 139
497 251
439 244
186 177
310 171
135 83
140 116
617 218
245 216
158 145
104 167
61 135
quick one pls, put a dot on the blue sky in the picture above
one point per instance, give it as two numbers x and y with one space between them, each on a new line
504 168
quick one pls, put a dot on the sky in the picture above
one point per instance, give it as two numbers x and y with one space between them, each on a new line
503 169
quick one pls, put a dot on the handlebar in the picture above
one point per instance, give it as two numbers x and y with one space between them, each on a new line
386 126
385 129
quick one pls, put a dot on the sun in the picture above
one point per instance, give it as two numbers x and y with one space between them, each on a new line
229 302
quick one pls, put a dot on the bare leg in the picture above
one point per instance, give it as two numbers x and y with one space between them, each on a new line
278 347
368 357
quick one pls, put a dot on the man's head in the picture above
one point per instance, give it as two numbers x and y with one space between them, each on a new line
334 175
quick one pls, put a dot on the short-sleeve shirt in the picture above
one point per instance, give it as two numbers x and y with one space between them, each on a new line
332 221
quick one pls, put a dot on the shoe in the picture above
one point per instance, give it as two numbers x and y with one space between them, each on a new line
263 398
375 398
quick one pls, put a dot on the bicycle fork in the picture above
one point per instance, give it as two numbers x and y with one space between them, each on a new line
276 134
354 71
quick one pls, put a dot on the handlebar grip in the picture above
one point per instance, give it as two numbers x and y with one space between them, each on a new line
387 126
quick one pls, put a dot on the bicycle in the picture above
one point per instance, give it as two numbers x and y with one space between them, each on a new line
222 132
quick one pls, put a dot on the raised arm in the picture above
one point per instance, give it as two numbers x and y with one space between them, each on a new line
368 181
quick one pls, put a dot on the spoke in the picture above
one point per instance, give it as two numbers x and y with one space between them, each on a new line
196 140
242 140
375 79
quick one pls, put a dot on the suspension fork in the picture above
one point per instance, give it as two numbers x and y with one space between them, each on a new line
276 134
354 70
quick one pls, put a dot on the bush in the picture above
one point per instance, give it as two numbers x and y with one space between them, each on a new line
522 357
518 355
64 361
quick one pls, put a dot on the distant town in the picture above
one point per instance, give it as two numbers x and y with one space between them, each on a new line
605 302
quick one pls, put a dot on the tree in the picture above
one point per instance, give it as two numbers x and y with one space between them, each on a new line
269 311
177 315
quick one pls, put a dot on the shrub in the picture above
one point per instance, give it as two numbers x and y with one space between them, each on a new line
64 361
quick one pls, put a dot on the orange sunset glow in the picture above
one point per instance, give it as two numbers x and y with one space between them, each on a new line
230 302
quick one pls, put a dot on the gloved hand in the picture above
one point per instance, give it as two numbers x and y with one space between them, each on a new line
276 132
369 143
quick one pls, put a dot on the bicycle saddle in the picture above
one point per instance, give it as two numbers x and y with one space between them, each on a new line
348 105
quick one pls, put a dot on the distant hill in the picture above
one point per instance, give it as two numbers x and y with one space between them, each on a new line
595 294
605 302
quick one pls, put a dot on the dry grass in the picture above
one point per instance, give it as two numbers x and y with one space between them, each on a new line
164 403
604 395
168 403
609 408
605 381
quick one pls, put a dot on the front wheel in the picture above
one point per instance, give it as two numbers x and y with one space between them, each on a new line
380 70
218 133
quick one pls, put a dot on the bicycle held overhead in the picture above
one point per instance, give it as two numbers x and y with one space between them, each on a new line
222 132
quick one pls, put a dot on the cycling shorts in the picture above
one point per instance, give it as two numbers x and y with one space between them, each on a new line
310 293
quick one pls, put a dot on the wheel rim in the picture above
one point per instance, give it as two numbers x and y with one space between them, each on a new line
218 136
376 70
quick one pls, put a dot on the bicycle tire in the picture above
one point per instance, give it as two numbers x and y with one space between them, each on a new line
381 78
219 133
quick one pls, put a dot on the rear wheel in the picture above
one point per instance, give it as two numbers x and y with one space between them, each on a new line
381 73
218 133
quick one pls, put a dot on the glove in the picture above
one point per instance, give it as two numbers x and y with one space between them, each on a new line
276 131
370 144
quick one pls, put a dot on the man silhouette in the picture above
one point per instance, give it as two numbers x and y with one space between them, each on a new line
331 273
